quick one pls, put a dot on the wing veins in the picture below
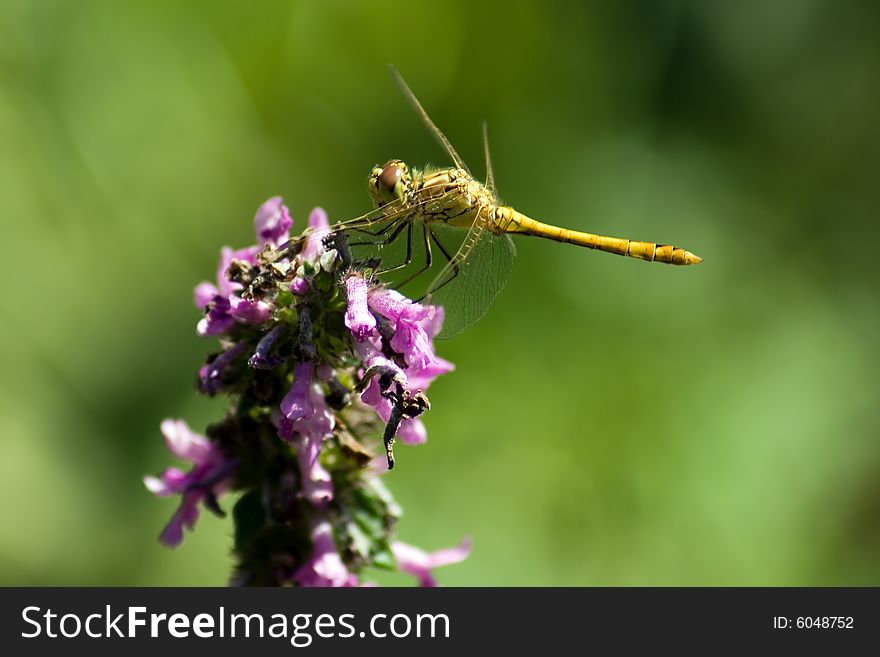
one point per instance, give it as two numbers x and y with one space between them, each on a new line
432 127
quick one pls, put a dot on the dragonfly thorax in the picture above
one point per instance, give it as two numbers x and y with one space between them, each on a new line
448 195
452 196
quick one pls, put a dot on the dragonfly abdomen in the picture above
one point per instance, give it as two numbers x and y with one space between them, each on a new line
508 220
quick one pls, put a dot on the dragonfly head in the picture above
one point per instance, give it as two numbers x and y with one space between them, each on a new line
389 182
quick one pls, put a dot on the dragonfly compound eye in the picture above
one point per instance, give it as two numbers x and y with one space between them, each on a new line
390 176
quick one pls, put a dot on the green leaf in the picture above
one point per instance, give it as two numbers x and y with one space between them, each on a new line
359 542
284 298
383 557
323 282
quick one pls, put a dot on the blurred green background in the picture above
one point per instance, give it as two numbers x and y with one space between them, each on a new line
611 422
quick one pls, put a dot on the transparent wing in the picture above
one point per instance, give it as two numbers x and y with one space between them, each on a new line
397 246
490 174
470 281
432 127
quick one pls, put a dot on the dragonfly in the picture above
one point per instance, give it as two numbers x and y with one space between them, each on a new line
442 226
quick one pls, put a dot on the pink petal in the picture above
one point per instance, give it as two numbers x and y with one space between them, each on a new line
419 563
185 516
412 431
204 294
358 318
325 567
272 222
297 403
299 286
314 242
249 311
184 443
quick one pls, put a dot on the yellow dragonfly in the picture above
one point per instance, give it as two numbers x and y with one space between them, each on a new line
464 220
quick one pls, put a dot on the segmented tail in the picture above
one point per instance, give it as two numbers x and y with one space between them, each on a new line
509 220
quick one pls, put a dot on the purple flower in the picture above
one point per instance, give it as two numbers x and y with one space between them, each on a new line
411 430
412 318
268 337
420 379
358 319
325 567
222 304
320 228
204 294
297 403
249 311
225 287
317 487
218 319
416 561
308 434
299 286
209 477
272 222
306 421
211 375
261 359
415 325
369 351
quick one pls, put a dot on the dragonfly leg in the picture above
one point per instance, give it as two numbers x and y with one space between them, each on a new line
452 263
377 233
398 227
428 259
443 250
292 247
408 258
